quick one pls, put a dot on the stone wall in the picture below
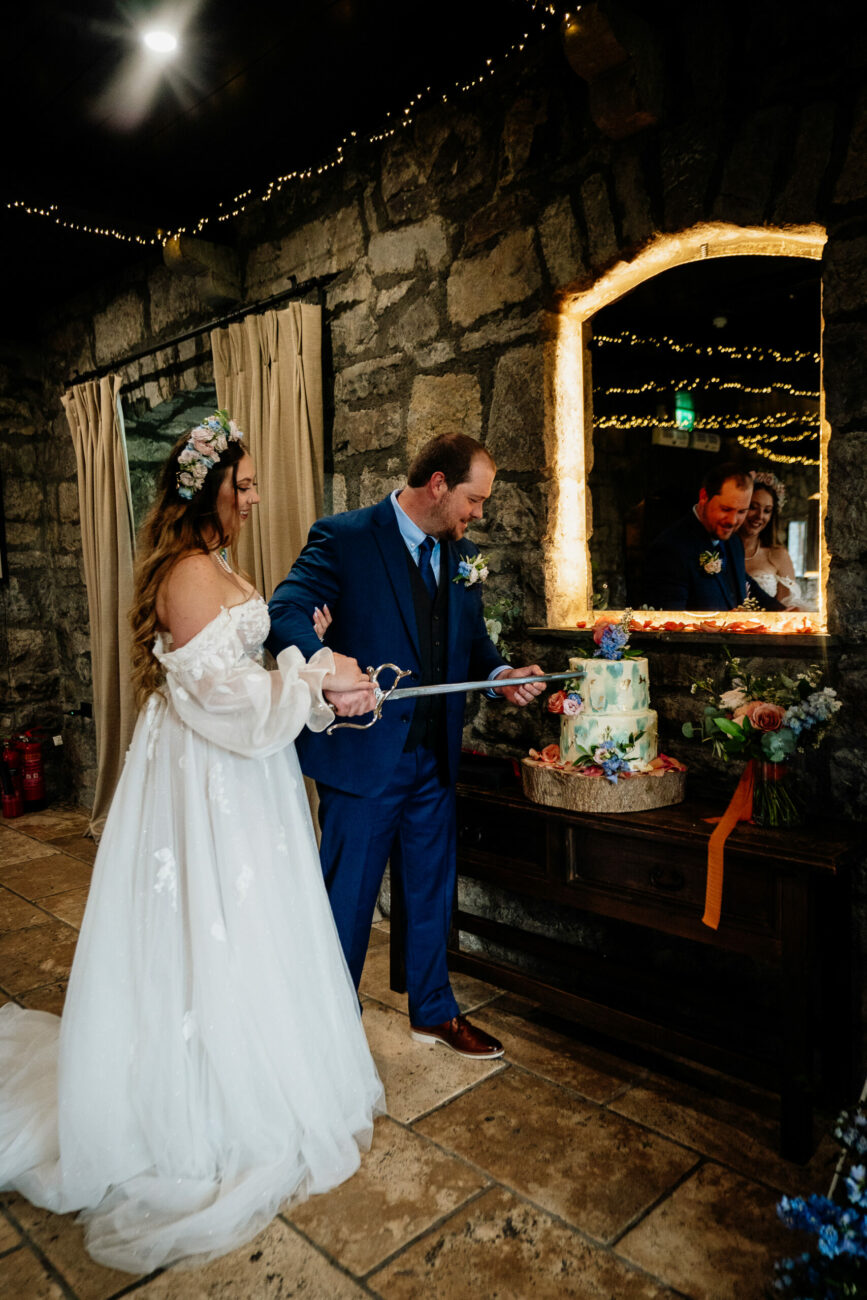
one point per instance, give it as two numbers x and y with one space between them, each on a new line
442 251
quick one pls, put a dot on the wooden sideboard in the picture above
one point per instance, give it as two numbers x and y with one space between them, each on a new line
784 931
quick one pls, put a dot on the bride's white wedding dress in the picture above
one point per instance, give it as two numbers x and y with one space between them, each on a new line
770 581
210 1063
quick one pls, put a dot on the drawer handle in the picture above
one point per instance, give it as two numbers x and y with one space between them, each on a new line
470 834
671 880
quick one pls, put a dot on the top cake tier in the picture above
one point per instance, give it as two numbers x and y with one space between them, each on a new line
612 684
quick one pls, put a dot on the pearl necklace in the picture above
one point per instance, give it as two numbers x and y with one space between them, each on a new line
222 559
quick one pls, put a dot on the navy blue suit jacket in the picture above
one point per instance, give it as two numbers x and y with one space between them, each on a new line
356 563
674 578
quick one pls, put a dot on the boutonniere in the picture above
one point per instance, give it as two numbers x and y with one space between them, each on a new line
711 561
471 569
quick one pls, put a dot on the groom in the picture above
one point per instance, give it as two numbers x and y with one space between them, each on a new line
389 575
698 563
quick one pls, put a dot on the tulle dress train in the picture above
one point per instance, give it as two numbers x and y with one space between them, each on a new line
210 1064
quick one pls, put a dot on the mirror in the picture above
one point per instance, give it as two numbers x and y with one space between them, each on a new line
714 360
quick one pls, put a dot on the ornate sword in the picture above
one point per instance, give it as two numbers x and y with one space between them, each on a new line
394 692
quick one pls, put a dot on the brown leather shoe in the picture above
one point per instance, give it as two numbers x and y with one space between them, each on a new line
461 1037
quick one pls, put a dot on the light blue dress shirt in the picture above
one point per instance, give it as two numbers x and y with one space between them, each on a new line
413 538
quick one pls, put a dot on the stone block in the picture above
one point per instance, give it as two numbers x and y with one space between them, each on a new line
506 213
174 300
443 404
338 494
844 276
437 354
325 246
688 156
499 334
375 486
369 429
519 129
601 236
636 222
508 274
388 297
512 514
408 248
355 287
561 243
22 537
119 328
514 436
416 322
67 502
746 185
353 331
799 199
852 181
844 347
23 501
376 377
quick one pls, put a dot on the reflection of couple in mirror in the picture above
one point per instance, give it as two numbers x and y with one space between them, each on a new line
726 549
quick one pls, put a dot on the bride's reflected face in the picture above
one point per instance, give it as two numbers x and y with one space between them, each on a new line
759 513
237 496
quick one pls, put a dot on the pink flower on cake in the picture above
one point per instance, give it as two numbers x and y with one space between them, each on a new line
602 623
762 716
573 705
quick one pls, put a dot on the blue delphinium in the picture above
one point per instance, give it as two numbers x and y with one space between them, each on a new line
612 642
838 1268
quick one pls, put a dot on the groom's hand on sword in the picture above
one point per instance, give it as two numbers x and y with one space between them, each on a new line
519 695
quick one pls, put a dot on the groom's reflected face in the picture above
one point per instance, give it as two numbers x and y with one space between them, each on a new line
726 511
464 503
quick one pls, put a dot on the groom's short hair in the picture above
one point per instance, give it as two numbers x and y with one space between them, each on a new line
719 474
450 454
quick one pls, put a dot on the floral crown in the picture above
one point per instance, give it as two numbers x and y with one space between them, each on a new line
202 451
767 479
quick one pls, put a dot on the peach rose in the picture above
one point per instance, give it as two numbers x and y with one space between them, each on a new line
601 624
555 702
762 716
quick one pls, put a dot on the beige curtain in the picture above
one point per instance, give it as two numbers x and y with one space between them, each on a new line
107 540
268 371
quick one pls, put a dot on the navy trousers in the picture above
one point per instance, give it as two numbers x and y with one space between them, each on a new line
413 824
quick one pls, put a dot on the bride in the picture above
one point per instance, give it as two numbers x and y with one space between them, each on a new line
767 562
210 1063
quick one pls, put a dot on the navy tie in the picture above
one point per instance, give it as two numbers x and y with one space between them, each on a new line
425 568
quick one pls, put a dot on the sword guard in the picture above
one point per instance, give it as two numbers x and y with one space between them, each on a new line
380 697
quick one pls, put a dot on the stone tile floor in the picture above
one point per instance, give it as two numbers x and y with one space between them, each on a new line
561 1171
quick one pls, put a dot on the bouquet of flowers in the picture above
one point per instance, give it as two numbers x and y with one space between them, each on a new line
766 720
838 1267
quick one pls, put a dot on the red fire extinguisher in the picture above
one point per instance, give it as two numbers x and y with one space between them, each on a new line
10 779
33 772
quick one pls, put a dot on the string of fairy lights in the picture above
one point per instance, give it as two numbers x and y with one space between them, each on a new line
543 11
763 435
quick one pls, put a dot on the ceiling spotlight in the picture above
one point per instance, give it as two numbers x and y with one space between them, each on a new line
160 42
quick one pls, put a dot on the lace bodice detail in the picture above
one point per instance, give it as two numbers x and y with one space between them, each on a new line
218 686
767 579
249 619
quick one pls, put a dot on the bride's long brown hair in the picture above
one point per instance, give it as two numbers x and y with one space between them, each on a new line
174 528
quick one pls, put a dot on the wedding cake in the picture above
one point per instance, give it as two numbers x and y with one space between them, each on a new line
616 712
607 730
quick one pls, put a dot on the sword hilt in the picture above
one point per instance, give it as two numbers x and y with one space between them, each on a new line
380 697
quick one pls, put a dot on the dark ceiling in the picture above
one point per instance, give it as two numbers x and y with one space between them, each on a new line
258 89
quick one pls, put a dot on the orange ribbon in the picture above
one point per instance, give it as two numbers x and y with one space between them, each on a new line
740 809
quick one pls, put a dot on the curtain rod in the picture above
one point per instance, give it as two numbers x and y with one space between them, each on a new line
294 291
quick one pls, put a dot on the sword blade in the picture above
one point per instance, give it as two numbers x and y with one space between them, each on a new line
453 688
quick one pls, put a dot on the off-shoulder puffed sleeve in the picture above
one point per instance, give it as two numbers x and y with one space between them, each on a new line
231 700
